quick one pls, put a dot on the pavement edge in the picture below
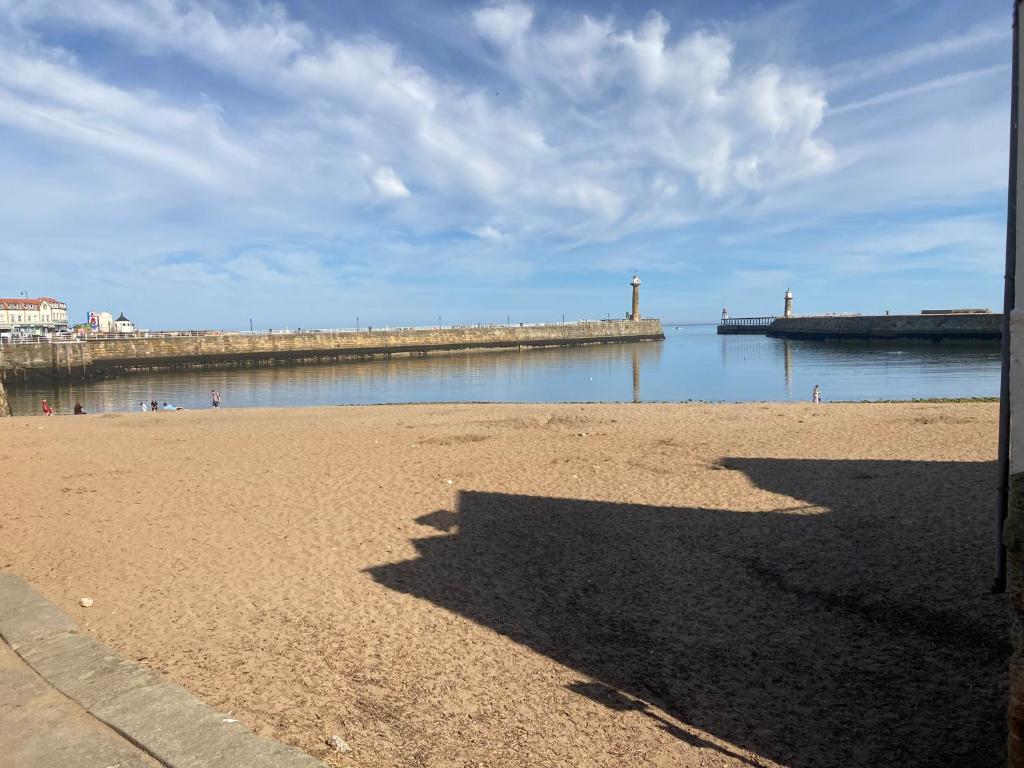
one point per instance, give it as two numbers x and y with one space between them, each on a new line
160 718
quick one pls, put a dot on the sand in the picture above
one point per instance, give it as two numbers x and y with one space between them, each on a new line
540 585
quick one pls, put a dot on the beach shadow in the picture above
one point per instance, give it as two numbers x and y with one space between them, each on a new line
851 626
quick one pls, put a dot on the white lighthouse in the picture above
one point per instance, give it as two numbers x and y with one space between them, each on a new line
788 311
635 282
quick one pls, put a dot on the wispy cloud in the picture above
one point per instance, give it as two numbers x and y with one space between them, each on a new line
936 84
860 70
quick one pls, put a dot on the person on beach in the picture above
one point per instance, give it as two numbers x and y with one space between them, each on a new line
215 397
816 394
153 406
47 410
79 410
144 407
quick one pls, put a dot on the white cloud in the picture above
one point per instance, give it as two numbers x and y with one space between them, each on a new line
388 185
487 232
278 138
647 115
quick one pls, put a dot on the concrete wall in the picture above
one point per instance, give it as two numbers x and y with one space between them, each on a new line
98 357
1013 531
935 327
5 408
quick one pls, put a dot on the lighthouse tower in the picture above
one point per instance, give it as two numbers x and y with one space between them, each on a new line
789 304
635 282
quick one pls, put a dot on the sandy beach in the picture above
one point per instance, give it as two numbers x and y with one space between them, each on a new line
540 585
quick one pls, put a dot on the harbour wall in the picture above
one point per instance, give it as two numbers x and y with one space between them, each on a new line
110 356
932 327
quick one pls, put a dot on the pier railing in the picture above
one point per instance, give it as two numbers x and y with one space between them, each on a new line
74 339
752 322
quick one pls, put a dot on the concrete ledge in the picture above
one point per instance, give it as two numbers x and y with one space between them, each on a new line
162 719
25 614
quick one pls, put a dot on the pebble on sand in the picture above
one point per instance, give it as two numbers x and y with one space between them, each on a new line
85 602
339 744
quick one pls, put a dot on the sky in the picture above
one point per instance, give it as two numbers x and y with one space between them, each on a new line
201 164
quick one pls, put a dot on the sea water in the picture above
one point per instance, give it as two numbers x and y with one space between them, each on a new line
692 363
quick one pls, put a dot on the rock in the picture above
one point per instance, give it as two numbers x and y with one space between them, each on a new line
339 744
85 602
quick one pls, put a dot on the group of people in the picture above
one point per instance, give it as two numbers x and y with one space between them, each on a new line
154 406
48 409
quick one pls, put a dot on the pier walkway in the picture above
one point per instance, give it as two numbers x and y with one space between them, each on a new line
749 325
101 356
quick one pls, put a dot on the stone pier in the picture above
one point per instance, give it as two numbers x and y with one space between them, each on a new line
106 356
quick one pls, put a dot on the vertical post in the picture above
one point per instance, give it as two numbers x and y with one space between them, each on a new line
1002 501
5 406
1010 506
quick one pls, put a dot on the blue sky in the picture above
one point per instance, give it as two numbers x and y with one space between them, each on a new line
197 164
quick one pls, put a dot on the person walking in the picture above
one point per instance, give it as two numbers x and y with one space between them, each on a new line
215 397
816 394
154 406
144 407
47 410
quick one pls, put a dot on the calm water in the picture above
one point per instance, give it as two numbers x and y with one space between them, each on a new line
691 364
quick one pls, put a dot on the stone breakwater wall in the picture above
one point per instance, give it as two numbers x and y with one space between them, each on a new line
925 327
100 357
5 407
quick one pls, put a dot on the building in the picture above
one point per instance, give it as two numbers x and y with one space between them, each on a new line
101 322
123 324
33 317
635 311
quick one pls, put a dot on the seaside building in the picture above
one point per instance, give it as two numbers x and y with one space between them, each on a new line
123 325
635 282
788 306
101 322
33 316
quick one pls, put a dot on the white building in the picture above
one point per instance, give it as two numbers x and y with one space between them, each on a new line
103 322
33 316
123 324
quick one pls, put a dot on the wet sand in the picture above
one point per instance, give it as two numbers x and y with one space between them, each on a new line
540 585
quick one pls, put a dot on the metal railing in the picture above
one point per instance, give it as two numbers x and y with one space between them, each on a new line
748 321
76 339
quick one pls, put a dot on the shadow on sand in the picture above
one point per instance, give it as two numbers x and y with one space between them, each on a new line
850 627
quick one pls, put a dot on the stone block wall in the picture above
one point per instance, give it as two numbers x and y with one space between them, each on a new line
105 355
937 327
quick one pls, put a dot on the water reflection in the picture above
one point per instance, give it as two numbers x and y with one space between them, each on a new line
636 374
787 359
692 363
591 373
